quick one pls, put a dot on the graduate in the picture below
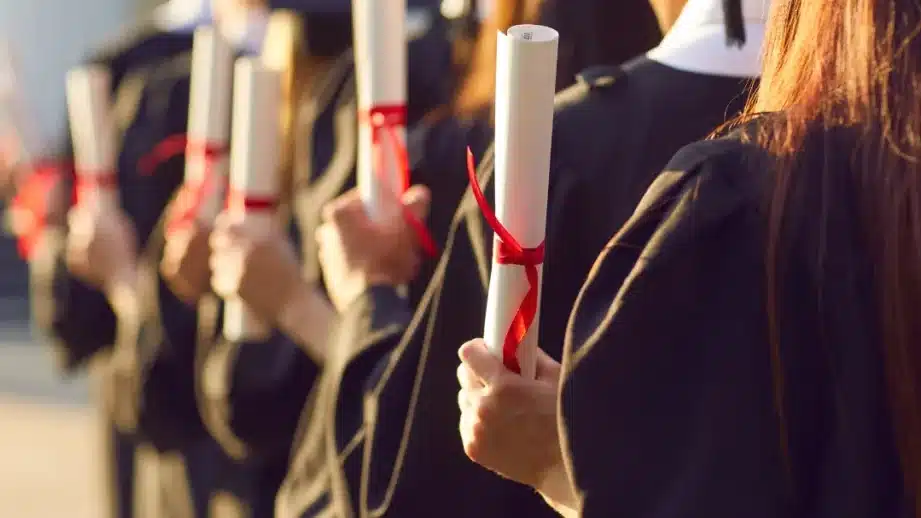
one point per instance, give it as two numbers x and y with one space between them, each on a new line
183 471
252 393
779 379
636 115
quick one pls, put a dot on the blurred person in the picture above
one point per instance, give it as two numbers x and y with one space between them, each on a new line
629 117
746 345
178 466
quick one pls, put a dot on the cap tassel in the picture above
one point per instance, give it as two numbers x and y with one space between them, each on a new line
735 24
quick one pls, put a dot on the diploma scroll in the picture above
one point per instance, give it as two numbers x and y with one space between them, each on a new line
23 153
17 120
525 87
254 171
92 127
209 127
380 74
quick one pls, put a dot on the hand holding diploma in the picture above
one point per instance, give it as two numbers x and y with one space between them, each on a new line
185 257
40 197
509 422
380 78
101 242
357 252
525 85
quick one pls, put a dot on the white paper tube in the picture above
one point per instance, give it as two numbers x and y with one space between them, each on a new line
16 116
93 132
380 75
254 174
525 86
209 116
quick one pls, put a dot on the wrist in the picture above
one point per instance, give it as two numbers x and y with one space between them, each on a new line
120 291
558 491
307 317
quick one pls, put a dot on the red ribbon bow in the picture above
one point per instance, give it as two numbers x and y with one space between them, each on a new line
32 203
385 121
192 194
509 251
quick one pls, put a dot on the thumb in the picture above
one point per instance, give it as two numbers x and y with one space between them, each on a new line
547 368
417 199
480 361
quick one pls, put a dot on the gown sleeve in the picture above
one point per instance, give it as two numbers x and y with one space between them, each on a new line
667 397
255 393
75 317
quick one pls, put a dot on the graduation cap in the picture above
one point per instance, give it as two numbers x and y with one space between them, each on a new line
313 6
735 23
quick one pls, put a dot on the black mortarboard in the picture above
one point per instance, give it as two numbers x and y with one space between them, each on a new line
735 23
313 6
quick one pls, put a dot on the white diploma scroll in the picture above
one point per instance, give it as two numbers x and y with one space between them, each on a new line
17 120
92 127
209 120
254 171
525 86
380 75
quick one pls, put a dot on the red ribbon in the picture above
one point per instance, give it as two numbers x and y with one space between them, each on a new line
89 181
32 200
239 200
385 120
509 251
192 194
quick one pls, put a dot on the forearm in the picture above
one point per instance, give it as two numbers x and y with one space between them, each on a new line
76 316
308 318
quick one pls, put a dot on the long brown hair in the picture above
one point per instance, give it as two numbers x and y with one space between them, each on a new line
478 86
856 64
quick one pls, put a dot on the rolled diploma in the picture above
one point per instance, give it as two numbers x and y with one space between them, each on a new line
380 74
93 132
525 85
209 113
16 116
254 154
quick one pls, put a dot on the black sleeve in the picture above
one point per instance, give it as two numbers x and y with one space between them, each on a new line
668 390
76 318
253 394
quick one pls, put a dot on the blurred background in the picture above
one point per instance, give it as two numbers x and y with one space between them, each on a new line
49 443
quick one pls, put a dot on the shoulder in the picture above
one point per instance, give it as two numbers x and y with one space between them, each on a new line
591 82
139 43
706 185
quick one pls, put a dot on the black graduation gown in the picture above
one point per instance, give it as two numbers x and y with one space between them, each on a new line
668 400
406 459
255 395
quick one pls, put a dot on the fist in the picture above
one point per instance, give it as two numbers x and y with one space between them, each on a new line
509 423
101 246
356 253
184 266
259 268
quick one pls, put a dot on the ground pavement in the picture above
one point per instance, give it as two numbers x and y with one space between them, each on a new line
49 437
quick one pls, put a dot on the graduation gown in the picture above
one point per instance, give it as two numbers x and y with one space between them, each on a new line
671 389
129 58
182 471
405 458
257 396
